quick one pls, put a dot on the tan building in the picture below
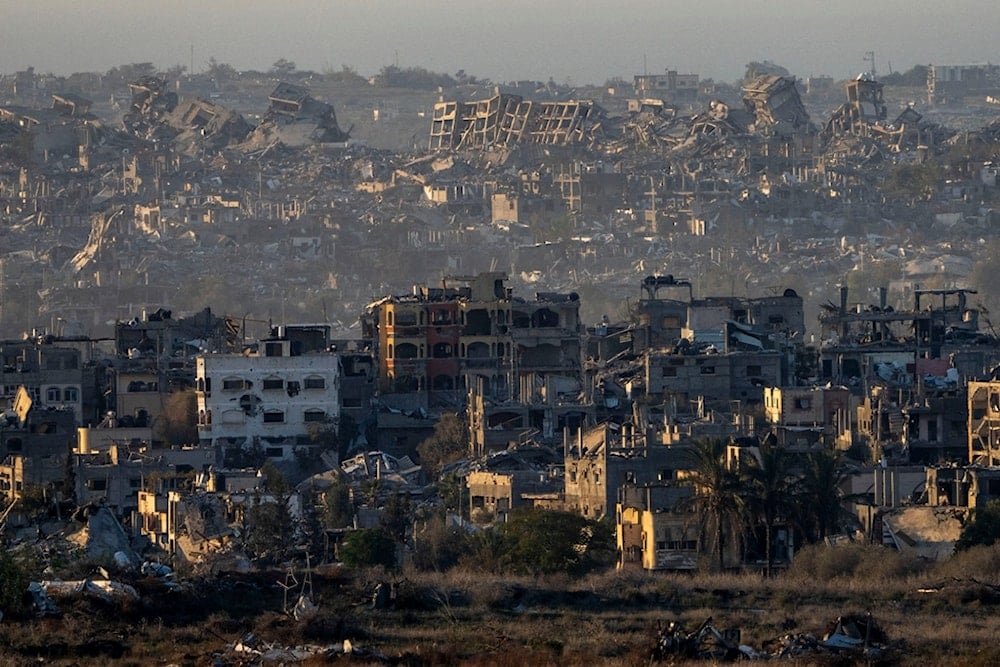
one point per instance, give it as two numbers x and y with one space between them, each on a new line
808 414
984 423
652 533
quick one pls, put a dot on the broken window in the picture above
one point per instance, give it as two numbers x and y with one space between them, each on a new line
274 452
669 371
406 351
708 370
274 416
314 382
406 318
753 370
232 383
313 416
545 318
273 349
273 383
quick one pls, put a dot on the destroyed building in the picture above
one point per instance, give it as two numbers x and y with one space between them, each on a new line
807 415
609 456
275 399
670 86
775 105
439 342
35 444
653 530
296 119
56 373
504 120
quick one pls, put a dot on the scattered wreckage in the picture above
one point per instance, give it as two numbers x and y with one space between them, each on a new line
852 635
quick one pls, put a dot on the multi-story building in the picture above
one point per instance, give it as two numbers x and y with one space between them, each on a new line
440 341
34 446
277 398
56 374
807 414
652 529
984 423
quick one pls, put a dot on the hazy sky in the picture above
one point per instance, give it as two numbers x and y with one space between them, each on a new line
580 42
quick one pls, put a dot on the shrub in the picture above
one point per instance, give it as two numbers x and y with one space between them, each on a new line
438 546
549 541
982 529
367 548
819 562
13 584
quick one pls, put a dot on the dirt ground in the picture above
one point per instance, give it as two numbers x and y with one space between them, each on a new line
474 619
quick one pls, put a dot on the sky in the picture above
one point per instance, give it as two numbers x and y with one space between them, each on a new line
575 42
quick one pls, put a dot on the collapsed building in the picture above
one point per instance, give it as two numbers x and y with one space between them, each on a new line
504 120
775 105
296 119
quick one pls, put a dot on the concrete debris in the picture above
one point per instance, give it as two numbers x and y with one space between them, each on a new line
775 105
260 652
45 593
104 540
295 119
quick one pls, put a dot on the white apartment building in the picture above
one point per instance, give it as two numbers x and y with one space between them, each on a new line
274 398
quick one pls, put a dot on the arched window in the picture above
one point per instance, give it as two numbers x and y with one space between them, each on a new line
406 351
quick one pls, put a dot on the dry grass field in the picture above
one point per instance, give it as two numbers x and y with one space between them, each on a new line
930 613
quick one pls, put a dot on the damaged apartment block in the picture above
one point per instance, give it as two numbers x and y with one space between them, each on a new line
441 341
503 121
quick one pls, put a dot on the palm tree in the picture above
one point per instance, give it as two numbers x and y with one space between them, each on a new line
820 493
718 497
771 487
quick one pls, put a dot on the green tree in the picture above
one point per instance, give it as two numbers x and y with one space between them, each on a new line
14 578
821 494
438 546
487 551
449 442
367 548
718 500
772 490
282 68
338 512
548 541
395 517
269 528
274 481
982 527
